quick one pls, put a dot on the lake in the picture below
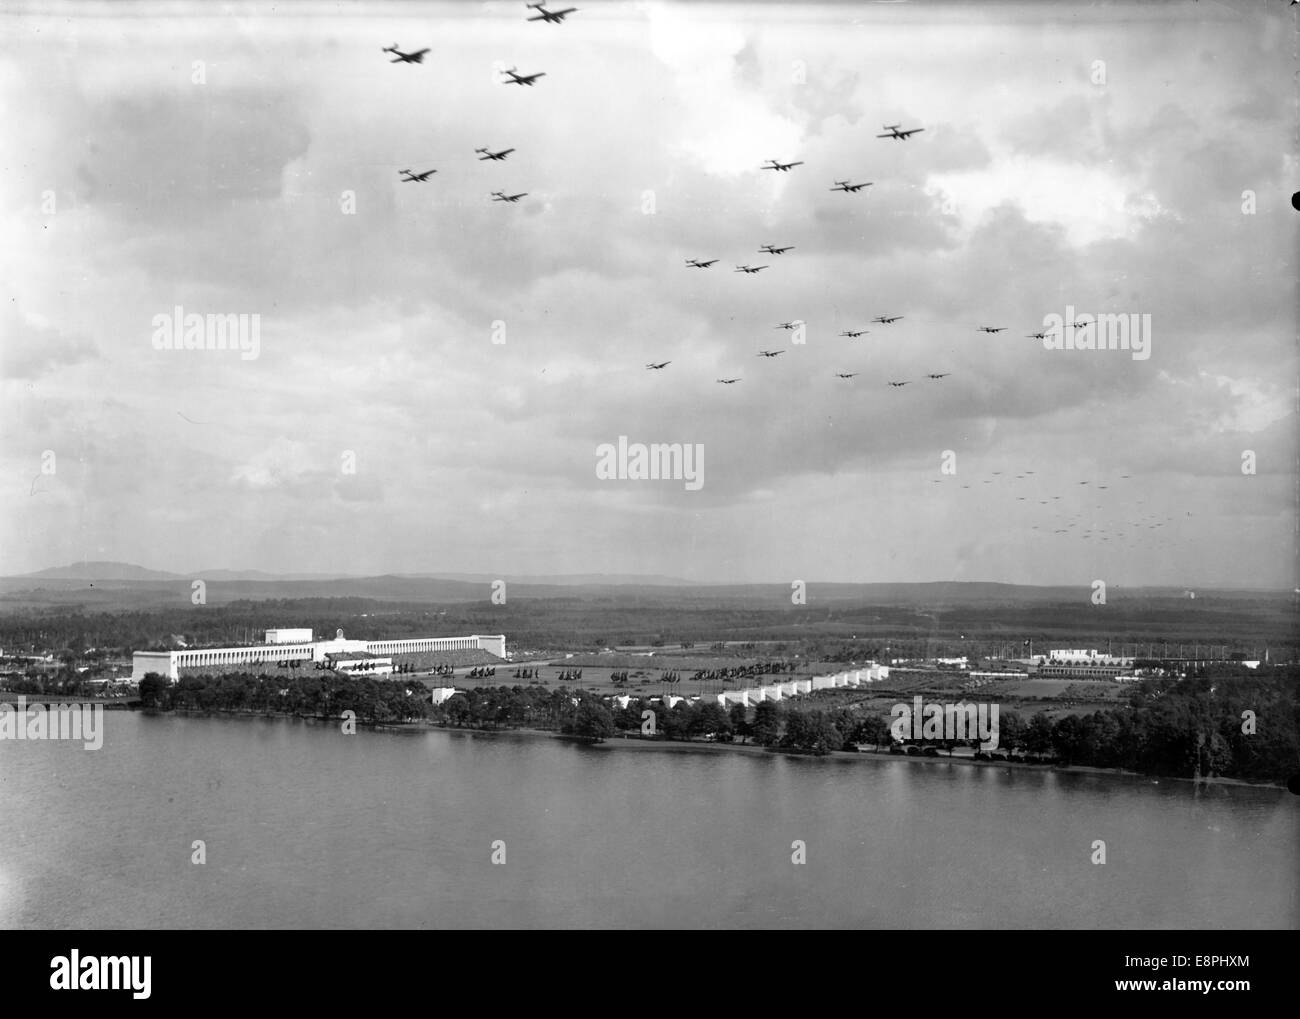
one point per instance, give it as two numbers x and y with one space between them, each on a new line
307 828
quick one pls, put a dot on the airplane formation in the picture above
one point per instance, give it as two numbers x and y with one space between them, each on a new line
894 132
512 77
1123 530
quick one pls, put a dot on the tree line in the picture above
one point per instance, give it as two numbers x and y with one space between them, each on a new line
1243 728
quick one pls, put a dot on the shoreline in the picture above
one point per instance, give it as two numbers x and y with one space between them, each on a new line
624 742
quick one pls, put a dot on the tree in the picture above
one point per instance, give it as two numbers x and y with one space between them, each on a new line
739 721
711 718
1038 736
153 690
873 730
593 722
766 726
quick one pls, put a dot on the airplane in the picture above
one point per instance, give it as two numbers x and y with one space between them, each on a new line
781 166
843 185
522 79
493 155
421 177
767 248
501 196
727 382
942 375
770 353
554 17
894 132
787 325
854 333
1080 325
405 58
845 375
886 319
1036 336
656 367
695 263
993 329
896 384
750 268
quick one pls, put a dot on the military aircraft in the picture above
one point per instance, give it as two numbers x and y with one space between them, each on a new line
845 375
727 382
854 333
1036 336
993 329
493 155
788 325
421 177
942 375
894 132
656 367
405 58
781 166
750 268
843 185
768 249
886 319
770 353
554 17
695 263
896 384
522 79
501 196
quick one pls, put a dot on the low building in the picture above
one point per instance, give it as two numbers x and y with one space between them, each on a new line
1081 671
169 663
299 636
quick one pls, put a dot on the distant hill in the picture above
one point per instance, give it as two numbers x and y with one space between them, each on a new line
101 584
262 575
563 579
98 571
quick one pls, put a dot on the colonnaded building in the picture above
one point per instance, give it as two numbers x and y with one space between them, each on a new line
373 656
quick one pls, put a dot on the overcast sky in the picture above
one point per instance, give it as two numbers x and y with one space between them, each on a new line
1072 156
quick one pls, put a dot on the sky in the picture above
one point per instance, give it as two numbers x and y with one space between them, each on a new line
435 373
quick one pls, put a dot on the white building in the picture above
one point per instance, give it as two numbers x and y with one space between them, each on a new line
169 663
1083 656
300 636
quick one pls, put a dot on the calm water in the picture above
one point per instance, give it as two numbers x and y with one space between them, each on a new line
307 828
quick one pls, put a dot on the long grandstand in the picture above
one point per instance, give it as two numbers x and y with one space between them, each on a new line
289 646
